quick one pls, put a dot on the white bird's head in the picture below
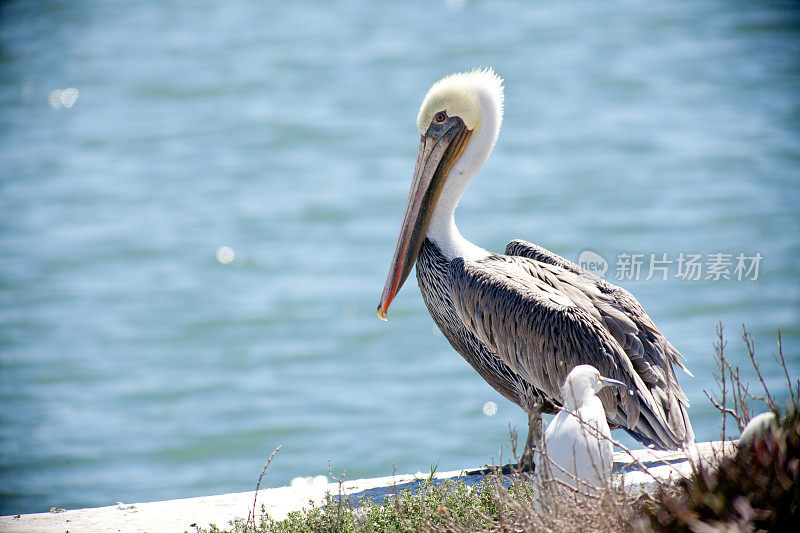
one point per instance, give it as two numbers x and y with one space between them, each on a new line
583 382
458 122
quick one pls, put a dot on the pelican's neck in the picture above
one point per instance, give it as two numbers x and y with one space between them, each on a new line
442 229
450 241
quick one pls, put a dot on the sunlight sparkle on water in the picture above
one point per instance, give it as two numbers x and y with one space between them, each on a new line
490 408
63 98
225 255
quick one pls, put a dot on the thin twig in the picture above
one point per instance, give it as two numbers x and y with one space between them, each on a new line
720 408
719 352
252 514
339 505
786 370
751 348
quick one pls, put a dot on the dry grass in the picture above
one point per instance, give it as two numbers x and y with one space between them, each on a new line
754 489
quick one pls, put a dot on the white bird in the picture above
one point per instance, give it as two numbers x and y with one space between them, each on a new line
577 441
756 428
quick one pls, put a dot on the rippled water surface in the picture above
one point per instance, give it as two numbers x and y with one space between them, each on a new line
141 360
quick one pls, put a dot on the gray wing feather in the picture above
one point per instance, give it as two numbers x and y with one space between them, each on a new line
642 339
650 352
542 319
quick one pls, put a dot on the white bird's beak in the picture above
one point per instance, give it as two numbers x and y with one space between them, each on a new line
609 381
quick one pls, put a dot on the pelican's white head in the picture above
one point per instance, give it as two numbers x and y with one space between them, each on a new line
475 96
583 382
458 122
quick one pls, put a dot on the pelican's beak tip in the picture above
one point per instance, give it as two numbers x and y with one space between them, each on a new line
382 312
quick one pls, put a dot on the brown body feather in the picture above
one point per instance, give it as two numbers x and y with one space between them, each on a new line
525 319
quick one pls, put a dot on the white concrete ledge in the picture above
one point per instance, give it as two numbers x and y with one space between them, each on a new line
176 516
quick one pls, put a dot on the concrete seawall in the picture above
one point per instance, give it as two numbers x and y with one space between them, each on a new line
175 516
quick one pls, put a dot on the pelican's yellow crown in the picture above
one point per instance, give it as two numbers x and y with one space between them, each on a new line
460 95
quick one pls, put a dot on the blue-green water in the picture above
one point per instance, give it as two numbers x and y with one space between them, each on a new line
134 365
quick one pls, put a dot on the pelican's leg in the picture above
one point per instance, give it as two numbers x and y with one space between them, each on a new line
534 434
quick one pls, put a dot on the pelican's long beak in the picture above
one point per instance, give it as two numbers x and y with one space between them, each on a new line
609 381
439 149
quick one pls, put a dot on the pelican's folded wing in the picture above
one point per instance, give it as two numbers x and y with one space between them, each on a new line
651 354
540 322
656 348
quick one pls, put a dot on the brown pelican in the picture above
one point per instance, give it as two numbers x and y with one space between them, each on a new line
523 320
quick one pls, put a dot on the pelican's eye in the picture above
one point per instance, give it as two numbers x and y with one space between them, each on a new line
440 117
